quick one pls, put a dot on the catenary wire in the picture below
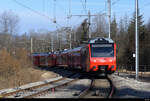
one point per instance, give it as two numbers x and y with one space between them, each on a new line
34 11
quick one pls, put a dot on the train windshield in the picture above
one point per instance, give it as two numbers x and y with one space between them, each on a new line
102 50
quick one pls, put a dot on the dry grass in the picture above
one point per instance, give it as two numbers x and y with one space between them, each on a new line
143 74
15 69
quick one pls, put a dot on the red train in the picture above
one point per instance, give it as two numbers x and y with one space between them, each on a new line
98 56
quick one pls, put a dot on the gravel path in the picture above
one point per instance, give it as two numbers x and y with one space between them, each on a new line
68 91
130 88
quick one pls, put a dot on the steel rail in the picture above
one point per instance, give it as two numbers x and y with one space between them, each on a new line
87 90
48 89
112 87
33 87
4 95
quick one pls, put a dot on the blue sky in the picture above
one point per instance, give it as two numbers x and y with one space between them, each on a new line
30 20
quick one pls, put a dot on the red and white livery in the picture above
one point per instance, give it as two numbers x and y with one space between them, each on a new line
98 56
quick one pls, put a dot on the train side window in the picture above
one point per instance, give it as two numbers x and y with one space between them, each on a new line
42 59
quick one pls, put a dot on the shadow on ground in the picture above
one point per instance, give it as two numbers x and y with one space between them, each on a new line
133 76
66 73
126 92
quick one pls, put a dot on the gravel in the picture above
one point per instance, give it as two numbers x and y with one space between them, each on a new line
28 85
126 87
69 91
130 88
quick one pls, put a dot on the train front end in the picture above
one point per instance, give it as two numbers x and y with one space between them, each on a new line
102 55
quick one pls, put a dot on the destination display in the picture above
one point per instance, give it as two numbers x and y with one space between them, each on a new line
102 45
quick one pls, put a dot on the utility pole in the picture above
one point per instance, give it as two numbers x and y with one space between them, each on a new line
68 24
137 41
70 38
52 43
89 18
54 11
109 15
31 45
59 39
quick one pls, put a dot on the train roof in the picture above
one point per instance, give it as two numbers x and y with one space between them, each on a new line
101 40
75 49
64 51
35 54
56 52
41 54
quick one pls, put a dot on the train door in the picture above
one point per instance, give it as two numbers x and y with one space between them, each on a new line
53 59
46 60
42 60
35 59
72 60
49 60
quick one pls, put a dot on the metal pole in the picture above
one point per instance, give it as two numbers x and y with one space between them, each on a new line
137 42
54 11
31 45
57 41
89 15
70 40
69 8
59 37
109 15
57 32
52 44
69 23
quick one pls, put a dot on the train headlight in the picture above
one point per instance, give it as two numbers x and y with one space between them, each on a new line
94 60
110 60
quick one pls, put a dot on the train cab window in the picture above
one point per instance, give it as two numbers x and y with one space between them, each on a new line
102 50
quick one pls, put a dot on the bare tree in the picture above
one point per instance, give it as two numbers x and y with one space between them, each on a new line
9 22
100 26
8 27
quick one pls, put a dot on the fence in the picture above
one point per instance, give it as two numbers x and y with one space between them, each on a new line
130 69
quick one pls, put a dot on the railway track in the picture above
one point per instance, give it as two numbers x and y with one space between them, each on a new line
97 88
105 89
37 90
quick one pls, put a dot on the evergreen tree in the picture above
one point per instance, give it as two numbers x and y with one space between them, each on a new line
121 41
131 39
